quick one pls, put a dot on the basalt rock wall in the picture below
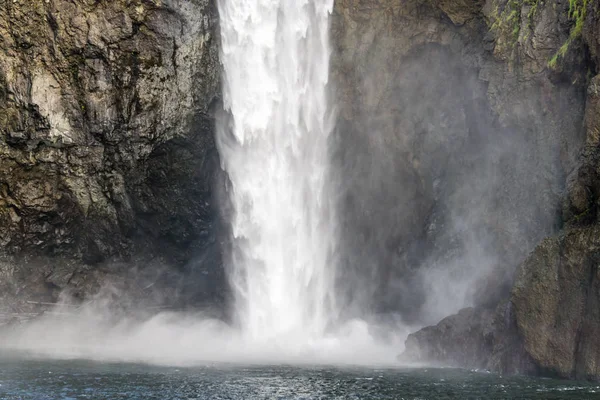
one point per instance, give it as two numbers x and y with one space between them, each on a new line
107 153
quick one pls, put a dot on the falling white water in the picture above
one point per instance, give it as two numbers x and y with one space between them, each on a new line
275 55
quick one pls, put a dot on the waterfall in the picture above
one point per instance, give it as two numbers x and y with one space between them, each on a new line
274 148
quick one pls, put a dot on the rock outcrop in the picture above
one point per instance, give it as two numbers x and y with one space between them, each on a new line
549 326
464 339
106 141
556 304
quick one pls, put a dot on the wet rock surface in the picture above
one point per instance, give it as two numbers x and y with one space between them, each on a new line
455 136
556 302
549 326
464 339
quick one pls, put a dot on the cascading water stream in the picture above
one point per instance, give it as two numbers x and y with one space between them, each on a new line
273 146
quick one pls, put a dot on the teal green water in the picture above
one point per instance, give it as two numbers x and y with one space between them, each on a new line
31 379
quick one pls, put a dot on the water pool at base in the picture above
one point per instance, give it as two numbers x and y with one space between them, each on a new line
34 379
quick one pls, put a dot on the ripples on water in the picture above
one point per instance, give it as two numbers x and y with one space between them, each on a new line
31 379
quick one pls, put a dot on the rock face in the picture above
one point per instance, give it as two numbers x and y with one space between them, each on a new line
455 136
464 339
556 302
106 139
549 324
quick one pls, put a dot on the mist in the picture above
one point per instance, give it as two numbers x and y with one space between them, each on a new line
446 185
98 331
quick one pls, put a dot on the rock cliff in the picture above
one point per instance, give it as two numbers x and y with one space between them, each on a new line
106 143
539 61
458 124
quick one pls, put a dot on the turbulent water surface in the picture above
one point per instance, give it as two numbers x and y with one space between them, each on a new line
31 379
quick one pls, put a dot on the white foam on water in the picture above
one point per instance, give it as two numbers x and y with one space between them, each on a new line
178 339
